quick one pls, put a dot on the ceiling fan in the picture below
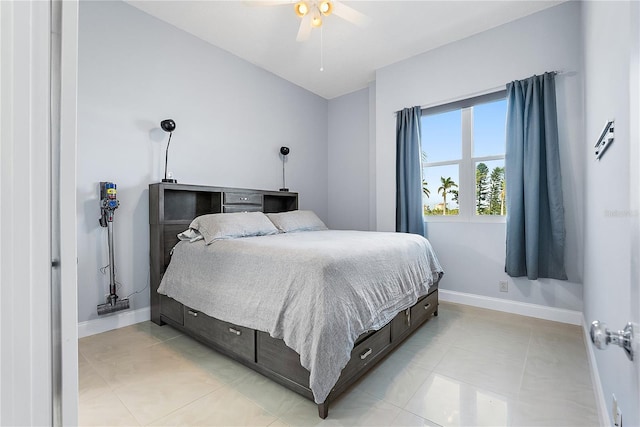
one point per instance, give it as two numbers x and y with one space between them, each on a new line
313 11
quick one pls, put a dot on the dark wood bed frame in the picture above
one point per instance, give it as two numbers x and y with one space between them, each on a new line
171 209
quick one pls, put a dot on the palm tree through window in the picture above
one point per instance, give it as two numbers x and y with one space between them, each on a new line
463 145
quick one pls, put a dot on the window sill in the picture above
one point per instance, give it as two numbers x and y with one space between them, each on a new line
477 219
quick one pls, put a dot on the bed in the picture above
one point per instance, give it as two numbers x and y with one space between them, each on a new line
298 305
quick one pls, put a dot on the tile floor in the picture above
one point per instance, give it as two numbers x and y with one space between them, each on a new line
467 367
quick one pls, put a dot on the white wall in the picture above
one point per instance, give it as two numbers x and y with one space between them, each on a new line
348 172
610 281
546 41
232 117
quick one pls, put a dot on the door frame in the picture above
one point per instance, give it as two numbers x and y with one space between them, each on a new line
29 91
634 188
68 218
25 257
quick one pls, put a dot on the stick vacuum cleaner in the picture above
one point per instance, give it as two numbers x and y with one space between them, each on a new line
108 205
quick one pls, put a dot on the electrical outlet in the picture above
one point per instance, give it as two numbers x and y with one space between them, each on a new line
503 286
616 412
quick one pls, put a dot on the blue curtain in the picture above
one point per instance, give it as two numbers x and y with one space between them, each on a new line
409 172
535 213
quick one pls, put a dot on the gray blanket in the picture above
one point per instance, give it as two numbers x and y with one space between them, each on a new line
316 290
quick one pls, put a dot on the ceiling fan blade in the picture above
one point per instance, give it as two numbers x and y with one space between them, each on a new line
266 2
305 28
350 14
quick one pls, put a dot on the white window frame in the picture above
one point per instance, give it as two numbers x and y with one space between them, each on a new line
466 168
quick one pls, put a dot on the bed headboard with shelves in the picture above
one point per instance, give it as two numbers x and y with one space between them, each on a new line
172 207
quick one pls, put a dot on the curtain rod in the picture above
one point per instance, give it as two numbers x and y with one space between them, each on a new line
483 92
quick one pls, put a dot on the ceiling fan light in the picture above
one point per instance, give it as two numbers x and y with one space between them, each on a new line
301 8
316 22
326 7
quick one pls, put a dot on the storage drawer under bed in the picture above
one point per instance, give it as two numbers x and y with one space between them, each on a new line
237 339
279 358
423 309
171 309
366 352
274 354
408 320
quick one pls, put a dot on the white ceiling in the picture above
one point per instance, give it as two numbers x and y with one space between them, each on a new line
266 35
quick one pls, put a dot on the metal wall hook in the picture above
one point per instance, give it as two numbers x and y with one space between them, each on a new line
601 337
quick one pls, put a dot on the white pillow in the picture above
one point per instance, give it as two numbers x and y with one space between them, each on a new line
191 235
288 222
232 225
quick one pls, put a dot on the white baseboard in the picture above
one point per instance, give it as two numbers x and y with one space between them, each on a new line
113 321
525 309
603 411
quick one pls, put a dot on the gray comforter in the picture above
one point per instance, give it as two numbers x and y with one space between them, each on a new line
316 290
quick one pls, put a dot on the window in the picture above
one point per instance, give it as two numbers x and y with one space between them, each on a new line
463 145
